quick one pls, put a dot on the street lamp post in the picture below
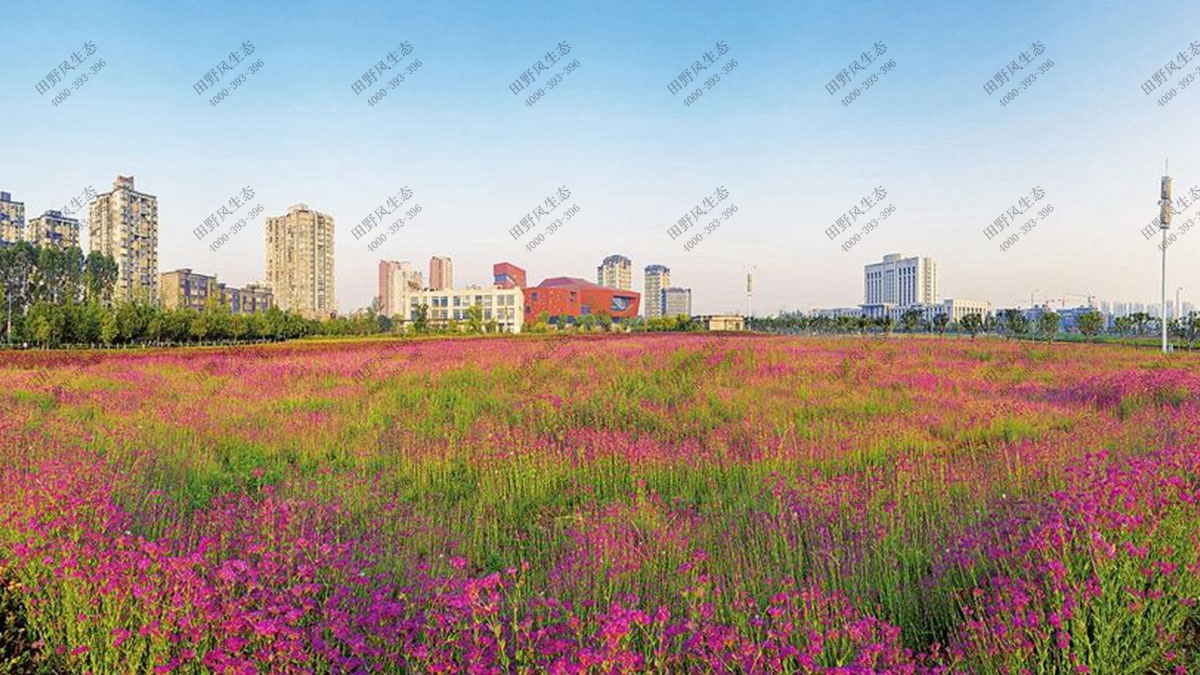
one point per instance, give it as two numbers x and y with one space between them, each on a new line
1164 205
750 291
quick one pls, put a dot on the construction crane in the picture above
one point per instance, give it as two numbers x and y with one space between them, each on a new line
1091 299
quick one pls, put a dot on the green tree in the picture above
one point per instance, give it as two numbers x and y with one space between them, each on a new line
1139 321
217 318
911 320
256 327
108 327
1191 326
1090 324
45 324
1048 324
420 320
475 319
18 265
48 274
238 327
940 321
1015 323
155 327
178 324
130 324
275 321
1123 326
199 327
972 323
99 277
862 323
604 320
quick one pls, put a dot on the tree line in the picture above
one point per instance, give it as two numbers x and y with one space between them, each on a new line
1011 323
59 297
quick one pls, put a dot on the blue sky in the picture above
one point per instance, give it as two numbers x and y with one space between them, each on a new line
634 157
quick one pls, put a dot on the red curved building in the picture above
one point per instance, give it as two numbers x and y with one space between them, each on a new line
577 298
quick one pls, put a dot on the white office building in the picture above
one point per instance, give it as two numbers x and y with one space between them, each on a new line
900 280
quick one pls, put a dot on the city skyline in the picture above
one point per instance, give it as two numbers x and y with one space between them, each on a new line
791 156
616 266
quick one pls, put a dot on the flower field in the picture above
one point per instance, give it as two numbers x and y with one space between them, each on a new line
613 504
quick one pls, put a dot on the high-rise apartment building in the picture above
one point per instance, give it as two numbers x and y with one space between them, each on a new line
386 269
300 261
396 281
616 272
52 229
677 301
657 277
901 281
123 224
12 219
441 273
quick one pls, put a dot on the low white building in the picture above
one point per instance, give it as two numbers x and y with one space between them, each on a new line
878 310
835 312
505 306
721 321
957 309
